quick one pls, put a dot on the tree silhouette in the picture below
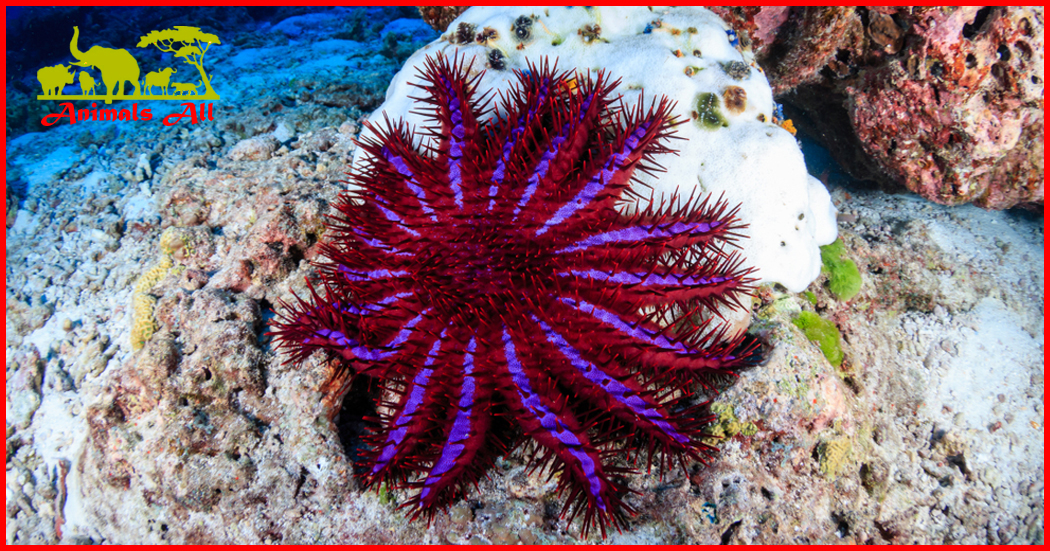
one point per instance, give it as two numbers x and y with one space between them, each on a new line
193 44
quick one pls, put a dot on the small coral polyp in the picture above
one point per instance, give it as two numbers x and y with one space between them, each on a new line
486 279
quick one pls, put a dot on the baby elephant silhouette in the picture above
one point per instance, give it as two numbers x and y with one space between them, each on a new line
184 87
53 79
87 84
158 78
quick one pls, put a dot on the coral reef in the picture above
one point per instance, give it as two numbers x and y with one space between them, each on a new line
726 424
944 101
941 392
25 373
259 148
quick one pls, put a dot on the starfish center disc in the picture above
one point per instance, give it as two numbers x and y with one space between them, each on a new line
484 266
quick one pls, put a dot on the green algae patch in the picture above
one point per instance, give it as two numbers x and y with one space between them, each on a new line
824 333
843 276
708 114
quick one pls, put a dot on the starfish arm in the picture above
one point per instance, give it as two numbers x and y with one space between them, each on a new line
553 426
575 126
469 446
613 389
601 184
354 332
695 226
709 285
517 137
656 349
455 113
372 223
400 442
397 175
304 327
349 273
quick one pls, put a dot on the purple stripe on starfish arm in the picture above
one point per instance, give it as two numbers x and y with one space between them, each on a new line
643 279
541 172
352 275
361 352
365 353
394 298
455 175
378 306
455 169
544 163
369 354
615 388
501 164
597 184
402 168
456 134
335 336
340 339
460 427
415 399
615 163
610 318
373 242
584 197
638 233
549 421
387 248
391 216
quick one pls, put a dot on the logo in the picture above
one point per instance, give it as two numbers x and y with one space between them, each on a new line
114 74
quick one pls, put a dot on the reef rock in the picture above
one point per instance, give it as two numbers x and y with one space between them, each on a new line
733 144
439 17
945 101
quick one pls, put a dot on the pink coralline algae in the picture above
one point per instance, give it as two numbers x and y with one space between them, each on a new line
490 285
945 101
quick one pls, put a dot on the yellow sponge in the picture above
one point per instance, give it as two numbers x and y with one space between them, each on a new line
143 325
832 455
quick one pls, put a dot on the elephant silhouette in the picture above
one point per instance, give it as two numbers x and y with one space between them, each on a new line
54 78
87 84
158 78
116 66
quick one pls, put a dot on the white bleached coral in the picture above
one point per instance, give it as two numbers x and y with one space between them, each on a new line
687 55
